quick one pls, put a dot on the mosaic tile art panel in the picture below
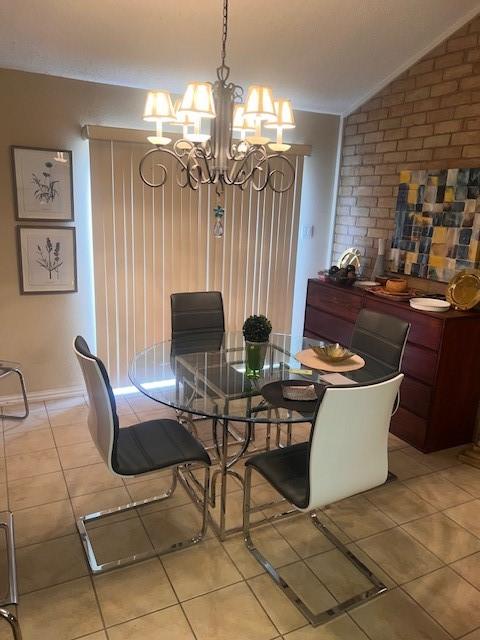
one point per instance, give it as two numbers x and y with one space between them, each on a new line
437 223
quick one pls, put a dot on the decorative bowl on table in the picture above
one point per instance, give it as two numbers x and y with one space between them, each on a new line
332 353
396 285
344 276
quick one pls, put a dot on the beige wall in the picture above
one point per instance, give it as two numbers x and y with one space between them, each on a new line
44 111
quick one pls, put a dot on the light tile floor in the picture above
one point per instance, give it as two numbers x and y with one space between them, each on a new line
421 535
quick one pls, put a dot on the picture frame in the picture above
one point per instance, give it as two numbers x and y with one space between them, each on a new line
47 259
43 184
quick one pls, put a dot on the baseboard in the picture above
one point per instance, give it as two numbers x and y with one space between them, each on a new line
46 394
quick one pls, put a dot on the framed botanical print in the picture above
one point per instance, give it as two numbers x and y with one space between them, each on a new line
43 184
47 259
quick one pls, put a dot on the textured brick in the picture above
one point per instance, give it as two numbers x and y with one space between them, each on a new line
427 79
410 143
473 55
413 119
377 114
394 156
437 141
461 97
400 109
363 191
370 180
395 134
447 152
460 71
420 154
472 82
450 126
365 148
466 42
474 123
445 88
350 181
374 136
466 110
449 60
382 191
370 105
394 99
417 94
440 114
366 127
350 130
350 140
365 171
367 201
421 67
426 105
471 151
355 118
391 123
389 145
466 137
420 131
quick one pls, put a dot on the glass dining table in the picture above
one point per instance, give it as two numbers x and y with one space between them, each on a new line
207 377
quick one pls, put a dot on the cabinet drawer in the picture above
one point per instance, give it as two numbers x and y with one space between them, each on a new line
338 301
420 363
425 331
327 326
415 397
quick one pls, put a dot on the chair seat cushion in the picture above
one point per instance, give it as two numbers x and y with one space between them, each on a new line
287 471
155 444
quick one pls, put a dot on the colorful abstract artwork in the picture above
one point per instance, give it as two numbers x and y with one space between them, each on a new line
437 223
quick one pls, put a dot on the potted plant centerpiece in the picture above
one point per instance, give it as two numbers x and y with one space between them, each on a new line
256 331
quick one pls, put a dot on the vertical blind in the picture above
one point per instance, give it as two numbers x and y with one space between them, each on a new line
149 243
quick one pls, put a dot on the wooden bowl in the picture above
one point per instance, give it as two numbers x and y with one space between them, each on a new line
396 285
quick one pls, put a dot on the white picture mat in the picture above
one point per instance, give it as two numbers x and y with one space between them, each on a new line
30 162
37 278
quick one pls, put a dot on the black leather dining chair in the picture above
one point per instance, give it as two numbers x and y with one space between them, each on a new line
132 451
197 312
380 339
347 454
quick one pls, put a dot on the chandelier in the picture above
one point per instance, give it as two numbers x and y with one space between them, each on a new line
215 157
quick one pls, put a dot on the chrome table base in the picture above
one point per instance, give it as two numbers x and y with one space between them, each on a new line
315 619
97 567
7 370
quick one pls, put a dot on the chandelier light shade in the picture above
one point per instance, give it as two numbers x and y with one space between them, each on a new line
259 103
216 157
284 120
159 109
197 101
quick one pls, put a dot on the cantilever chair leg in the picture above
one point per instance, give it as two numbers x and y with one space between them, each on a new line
97 567
24 394
315 619
13 622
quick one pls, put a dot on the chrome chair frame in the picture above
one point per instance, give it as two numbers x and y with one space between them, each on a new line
6 368
12 596
97 567
315 619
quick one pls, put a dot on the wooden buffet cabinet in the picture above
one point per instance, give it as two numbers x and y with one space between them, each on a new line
441 389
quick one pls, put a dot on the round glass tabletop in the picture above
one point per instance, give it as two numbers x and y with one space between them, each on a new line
210 375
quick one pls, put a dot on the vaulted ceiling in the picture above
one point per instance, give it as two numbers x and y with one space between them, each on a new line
327 55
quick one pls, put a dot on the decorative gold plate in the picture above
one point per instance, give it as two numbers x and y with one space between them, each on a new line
333 353
463 291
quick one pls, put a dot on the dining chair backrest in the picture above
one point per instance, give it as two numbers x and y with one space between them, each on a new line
197 312
381 338
349 440
102 416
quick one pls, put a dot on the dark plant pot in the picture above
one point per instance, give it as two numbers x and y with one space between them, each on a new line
255 353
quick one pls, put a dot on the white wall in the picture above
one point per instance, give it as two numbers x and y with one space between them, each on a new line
318 195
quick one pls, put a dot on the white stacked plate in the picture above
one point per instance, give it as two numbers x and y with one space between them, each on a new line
365 283
430 304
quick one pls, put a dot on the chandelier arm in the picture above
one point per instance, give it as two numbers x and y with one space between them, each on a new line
243 172
163 168
272 173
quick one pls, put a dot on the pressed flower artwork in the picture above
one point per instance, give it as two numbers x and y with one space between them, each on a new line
43 184
47 257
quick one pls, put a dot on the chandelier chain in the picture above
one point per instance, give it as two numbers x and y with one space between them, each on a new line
225 31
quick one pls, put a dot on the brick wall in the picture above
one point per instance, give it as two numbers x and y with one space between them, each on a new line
429 117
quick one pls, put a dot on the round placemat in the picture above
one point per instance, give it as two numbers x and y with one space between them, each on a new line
310 359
